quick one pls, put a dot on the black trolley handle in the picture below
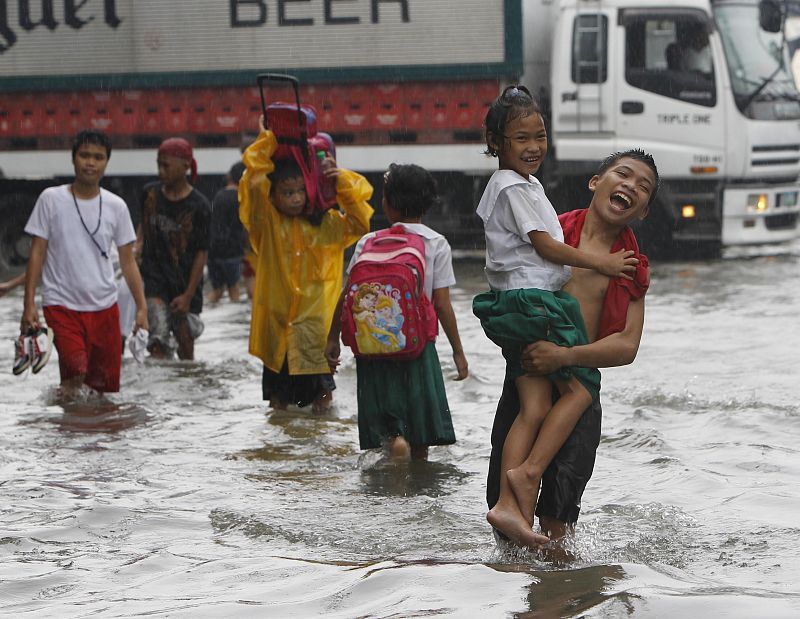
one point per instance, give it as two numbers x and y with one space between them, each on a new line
263 78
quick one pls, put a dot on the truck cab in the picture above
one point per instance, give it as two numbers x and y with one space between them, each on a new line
706 88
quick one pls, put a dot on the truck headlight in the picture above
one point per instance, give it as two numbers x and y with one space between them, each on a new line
757 202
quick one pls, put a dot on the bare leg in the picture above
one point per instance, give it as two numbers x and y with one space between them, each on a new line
277 404
554 529
233 292
323 402
157 351
506 516
559 422
398 448
184 338
535 397
73 384
419 452
215 295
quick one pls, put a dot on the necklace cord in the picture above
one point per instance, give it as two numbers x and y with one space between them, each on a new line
99 219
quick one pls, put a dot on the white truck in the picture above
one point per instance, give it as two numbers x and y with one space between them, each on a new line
703 85
409 81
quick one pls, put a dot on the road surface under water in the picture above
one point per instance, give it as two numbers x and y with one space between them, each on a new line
183 495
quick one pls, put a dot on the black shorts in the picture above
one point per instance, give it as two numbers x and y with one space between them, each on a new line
224 272
298 389
566 477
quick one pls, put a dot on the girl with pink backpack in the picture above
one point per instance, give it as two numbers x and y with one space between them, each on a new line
398 286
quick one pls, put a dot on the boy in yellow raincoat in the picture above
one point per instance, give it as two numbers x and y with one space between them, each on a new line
299 265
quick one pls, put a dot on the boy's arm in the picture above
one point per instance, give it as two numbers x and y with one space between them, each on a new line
618 264
30 315
353 192
447 317
254 186
617 349
130 271
9 285
180 304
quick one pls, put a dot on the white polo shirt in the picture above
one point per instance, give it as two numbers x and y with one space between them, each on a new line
511 207
75 274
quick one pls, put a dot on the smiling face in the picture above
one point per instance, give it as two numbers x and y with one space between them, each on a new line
289 196
622 193
524 145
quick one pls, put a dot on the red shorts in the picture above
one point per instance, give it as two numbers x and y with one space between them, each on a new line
89 344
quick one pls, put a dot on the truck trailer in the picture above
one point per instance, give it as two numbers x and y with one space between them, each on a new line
410 81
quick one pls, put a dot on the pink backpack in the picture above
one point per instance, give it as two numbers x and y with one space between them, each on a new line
386 313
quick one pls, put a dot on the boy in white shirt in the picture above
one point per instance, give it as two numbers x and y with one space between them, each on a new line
72 228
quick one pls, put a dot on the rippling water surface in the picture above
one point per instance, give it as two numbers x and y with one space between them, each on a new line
183 495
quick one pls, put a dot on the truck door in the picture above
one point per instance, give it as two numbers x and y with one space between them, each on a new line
667 101
583 79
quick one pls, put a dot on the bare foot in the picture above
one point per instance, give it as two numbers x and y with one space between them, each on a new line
278 405
398 448
512 524
419 452
323 402
525 489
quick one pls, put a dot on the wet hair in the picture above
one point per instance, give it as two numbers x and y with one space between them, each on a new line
236 171
514 102
285 169
410 189
637 154
91 136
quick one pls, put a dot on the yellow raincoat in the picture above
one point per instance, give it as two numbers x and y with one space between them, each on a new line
299 266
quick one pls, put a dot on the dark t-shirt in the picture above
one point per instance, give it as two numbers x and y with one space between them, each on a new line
227 231
173 234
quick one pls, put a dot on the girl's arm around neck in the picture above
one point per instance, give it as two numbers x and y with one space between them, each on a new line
618 264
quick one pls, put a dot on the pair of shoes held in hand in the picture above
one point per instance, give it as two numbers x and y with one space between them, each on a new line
32 350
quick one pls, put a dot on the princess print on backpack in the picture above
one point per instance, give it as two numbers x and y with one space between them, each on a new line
387 313
396 293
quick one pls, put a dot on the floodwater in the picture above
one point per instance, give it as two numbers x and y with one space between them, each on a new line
184 496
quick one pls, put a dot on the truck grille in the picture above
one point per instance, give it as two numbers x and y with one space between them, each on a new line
775 155
784 221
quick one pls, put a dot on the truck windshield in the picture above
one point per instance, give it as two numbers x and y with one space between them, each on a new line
759 65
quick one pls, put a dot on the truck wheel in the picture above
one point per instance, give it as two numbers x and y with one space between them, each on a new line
15 245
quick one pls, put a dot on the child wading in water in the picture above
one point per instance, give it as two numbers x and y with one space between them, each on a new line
402 405
299 270
525 268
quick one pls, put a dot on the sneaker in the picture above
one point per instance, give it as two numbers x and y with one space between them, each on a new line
41 347
137 344
22 354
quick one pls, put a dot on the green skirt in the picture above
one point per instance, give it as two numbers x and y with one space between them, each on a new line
512 319
403 398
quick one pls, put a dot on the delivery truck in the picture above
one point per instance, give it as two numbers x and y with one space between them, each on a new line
410 81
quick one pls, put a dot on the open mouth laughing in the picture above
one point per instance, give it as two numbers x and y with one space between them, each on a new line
621 201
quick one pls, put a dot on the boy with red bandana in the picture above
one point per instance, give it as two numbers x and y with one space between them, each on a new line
613 311
174 238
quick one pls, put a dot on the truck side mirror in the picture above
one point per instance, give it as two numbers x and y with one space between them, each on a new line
770 15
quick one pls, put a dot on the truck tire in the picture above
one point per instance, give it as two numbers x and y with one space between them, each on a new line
15 245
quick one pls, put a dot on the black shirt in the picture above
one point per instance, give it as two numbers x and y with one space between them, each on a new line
227 232
174 232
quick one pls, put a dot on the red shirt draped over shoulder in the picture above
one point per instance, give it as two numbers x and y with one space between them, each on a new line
620 291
